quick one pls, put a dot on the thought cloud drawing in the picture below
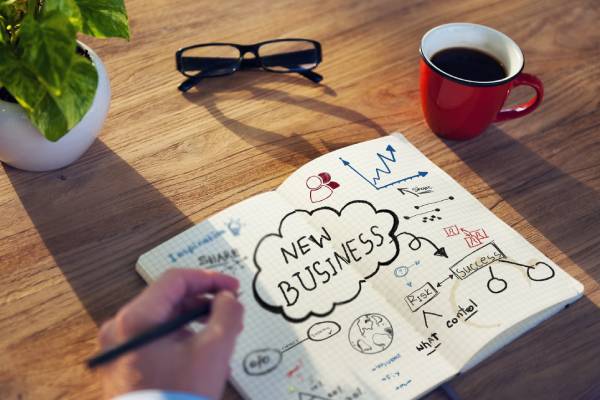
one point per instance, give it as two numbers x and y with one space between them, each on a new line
320 259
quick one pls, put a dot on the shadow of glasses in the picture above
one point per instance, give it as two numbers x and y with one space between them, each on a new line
208 94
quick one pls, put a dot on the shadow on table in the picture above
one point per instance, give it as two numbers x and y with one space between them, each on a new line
205 94
96 217
563 209
549 362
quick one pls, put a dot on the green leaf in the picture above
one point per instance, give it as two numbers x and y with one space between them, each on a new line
104 18
53 115
69 8
48 47
18 80
49 119
78 92
14 11
56 115
3 34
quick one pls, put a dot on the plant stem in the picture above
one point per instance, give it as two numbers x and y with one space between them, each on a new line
33 7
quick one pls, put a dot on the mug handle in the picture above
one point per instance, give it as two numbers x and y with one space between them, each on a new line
525 108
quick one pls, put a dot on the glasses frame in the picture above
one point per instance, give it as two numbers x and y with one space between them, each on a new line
244 63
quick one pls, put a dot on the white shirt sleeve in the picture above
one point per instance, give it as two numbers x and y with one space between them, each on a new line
158 395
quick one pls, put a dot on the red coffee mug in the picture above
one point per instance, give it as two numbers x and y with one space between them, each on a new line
461 109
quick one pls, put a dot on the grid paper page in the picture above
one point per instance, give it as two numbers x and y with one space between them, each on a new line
312 359
369 274
487 280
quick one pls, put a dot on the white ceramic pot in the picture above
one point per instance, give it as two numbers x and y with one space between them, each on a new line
23 146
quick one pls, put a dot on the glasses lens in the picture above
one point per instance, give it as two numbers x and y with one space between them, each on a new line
211 60
289 55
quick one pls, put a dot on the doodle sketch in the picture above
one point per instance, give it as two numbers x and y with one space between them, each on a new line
386 160
262 361
320 187
317 276
369 266
371 333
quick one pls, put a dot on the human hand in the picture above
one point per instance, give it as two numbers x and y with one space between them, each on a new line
183 361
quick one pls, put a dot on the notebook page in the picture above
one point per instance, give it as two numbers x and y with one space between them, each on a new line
312 349
462 276
512 333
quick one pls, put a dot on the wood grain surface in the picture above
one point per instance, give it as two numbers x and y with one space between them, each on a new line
164 161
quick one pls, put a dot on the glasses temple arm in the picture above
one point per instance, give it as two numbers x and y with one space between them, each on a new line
311 75
190 82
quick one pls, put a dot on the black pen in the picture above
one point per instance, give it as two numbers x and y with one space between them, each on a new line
150 335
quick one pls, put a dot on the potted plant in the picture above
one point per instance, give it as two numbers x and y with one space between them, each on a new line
54 90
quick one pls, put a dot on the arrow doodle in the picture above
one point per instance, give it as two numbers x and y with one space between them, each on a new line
439 284
403 191
385 169
417 240
425 313
434 202
441 252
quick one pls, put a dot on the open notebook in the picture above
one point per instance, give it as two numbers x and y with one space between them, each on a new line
368 274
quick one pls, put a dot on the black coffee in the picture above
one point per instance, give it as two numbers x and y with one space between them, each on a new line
470 64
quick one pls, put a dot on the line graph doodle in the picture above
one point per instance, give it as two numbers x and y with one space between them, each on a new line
385 160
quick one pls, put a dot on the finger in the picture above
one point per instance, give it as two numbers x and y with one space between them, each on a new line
106 334
226 319
193 303
160 301
183 334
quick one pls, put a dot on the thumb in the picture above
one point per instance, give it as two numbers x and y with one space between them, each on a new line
226 319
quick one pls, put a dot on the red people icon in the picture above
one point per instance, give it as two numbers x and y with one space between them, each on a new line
321 186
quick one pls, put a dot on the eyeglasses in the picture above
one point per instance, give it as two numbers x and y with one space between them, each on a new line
218 59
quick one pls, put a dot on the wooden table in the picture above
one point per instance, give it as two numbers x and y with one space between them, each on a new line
164 161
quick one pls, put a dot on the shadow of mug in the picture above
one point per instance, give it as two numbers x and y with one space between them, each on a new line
558 211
